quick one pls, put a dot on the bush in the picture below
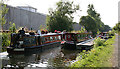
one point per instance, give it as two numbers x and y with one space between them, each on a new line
112 33
5 41
12 28
99 42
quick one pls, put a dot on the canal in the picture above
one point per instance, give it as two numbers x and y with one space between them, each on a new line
55 57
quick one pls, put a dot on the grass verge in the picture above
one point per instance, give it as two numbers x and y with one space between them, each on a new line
97 57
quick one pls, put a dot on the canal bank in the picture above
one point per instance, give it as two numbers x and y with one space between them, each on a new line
98 56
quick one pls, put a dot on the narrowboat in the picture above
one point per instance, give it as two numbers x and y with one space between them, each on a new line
31 42
104 35
70 40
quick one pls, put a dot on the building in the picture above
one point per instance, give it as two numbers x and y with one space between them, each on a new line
28 8
24 17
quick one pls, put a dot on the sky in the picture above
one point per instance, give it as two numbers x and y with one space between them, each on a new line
108 9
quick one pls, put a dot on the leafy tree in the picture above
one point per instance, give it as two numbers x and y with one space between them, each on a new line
117 27
92 22
3 11
89 23
61 18
91 11
43 27
12 28
107 28
5 41
100 25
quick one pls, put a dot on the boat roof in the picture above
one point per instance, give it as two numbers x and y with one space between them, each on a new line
77 33
49 34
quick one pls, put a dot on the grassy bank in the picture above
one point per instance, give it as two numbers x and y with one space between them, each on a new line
98 57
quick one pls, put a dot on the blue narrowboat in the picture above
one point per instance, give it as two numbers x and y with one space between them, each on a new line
29 42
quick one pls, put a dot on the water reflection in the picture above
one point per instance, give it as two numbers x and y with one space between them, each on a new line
50 58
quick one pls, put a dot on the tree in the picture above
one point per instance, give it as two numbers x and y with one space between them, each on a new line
12 28
3 11
61 18
43 27
89 23
107 28
92 21
91 11
117 27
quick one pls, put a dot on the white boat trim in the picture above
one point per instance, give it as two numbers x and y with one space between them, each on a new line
19 49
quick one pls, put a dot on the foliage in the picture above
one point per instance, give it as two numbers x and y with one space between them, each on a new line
99 42
89 23
93 13
61 18
12 28
112 33
5 40
97 57
83 30
3 12
117 27
43 27
92 22
107 28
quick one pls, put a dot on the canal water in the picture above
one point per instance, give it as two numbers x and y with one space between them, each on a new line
55 57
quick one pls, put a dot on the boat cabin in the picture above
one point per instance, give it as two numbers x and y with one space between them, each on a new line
78 37
33 40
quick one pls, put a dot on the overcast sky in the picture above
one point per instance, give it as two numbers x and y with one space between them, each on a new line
108 9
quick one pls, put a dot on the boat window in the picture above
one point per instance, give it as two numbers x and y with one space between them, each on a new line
65 37
72 38
47 39
29 41
68 36
84 35
43 40
59 37
55 37
78 35
51 38
81 36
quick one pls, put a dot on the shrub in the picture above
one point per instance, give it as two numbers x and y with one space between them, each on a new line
12 28
99 42
111 33
5 41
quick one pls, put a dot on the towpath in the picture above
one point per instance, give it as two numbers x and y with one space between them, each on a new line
116 53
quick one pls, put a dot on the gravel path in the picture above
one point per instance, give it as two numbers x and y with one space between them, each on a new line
116 55
119 51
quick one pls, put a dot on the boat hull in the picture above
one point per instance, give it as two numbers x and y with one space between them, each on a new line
68 46
33 49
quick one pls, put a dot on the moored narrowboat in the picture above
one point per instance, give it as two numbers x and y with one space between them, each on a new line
70 40
31 42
